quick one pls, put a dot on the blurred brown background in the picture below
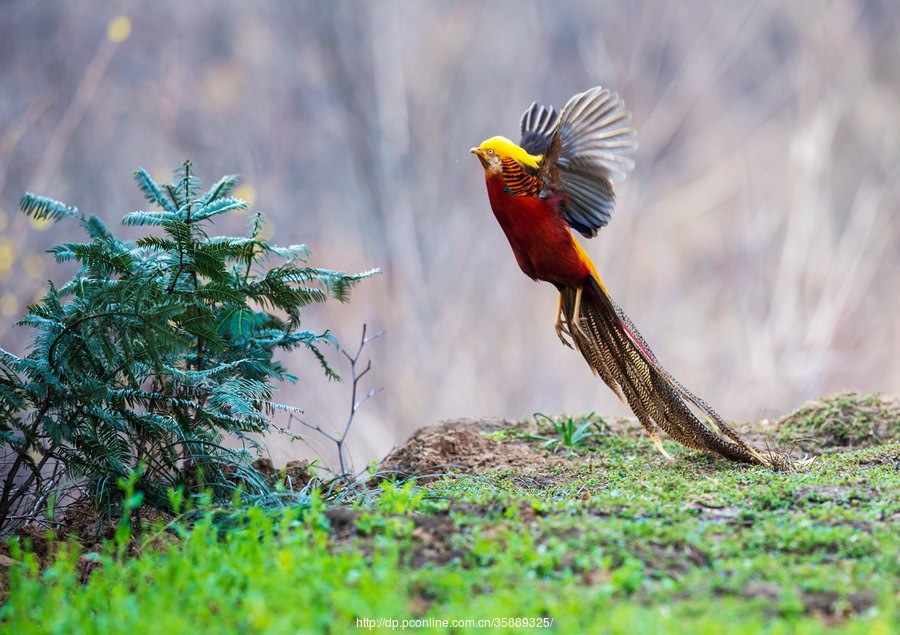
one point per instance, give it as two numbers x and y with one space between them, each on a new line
756 245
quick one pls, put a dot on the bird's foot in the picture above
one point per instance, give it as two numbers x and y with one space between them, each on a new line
562 332
659 446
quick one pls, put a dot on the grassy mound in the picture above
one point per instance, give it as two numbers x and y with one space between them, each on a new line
848 420
596 533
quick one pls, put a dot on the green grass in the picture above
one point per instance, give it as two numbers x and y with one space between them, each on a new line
609 540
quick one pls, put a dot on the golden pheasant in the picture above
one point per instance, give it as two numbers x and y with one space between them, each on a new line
559 178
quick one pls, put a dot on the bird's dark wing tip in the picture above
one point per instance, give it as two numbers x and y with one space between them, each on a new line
537 127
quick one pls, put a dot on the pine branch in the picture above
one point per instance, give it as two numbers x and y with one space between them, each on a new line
152 191
221 189
42 208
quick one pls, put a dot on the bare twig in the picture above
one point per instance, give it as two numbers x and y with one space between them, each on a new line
8 484
356 375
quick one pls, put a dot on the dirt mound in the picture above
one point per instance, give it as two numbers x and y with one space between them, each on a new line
848 420
484 424
456 446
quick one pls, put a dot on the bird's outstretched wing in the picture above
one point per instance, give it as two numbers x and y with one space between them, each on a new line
585 152
538 125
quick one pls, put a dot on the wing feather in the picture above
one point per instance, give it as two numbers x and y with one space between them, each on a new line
538 125
586 151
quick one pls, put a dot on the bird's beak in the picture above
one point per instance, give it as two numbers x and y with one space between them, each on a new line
478 152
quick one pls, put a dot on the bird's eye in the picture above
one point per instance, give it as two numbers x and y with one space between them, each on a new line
491 151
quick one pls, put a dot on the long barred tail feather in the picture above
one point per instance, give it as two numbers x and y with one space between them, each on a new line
617 352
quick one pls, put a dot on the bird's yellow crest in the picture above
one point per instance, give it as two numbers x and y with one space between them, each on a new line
503 147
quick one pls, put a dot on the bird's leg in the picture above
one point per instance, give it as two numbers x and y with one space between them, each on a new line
659 446
576 314
561 328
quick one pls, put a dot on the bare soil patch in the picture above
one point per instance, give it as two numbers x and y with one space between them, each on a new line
434 452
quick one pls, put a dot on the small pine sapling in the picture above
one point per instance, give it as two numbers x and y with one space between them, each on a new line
154 351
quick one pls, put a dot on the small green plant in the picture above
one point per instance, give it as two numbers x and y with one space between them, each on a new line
399 499
571 432
155 350
131 502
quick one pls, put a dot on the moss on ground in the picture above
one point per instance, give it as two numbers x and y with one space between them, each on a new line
605 537
847 420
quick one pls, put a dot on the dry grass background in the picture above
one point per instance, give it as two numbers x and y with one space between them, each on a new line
756 244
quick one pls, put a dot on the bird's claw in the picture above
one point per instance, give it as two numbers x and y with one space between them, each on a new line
659 446
562 332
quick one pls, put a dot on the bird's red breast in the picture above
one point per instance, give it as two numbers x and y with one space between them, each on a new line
539 236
